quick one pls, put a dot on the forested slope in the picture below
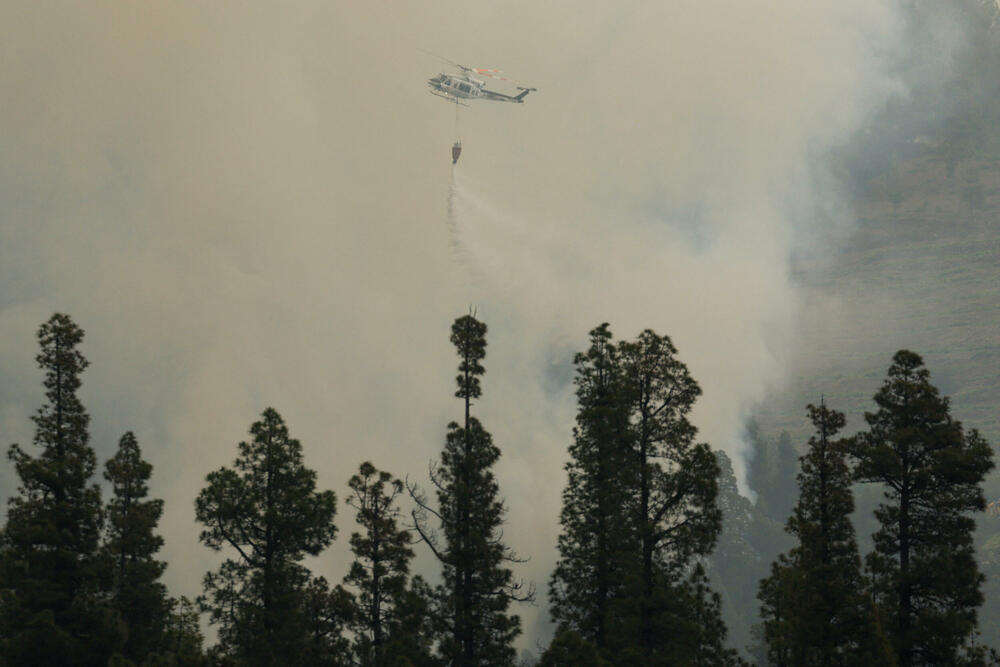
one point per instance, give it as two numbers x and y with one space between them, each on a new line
918 267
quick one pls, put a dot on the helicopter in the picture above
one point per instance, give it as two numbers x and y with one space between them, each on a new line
465 86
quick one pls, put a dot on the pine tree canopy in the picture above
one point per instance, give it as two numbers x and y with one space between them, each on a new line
814 603
478 585
54 610
640 503
927 583
596 536
328 614
267 509
381 564
129 548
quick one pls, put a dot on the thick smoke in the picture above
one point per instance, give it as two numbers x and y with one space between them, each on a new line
242 204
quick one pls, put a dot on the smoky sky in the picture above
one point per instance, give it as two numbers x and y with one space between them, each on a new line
251 204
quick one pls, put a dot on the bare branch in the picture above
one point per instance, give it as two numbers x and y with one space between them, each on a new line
419 517
512 592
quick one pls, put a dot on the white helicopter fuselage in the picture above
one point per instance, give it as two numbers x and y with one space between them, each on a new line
460 87
457 88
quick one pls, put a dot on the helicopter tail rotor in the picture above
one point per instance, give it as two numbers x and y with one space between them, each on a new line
524 93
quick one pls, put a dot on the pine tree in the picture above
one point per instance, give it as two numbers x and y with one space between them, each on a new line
570 648
780 628
737 564
54 609
596 535
692 617
478 586
130 545
268 510
813 604
926 580
771 473
674 504
379 573
412 632
640 504
328 615
181 641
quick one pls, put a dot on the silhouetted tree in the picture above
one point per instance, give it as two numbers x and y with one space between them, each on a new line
674 503
569 648
181 641
640 505
328 614
268 510
379 573
741 557
698 633
597 535
412 631
54 611
478 586
130 545
926 581
780 628
771 471
813 605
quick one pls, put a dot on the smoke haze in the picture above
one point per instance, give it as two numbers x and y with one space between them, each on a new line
247 205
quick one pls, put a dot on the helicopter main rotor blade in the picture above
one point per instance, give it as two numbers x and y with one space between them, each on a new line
492 73
464 68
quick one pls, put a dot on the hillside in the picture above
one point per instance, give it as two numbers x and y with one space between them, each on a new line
921 271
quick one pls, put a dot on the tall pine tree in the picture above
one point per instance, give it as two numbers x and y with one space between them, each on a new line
130 547
640 506
268 510
674 504
478 585
54 611
596 537
813 604
927 583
